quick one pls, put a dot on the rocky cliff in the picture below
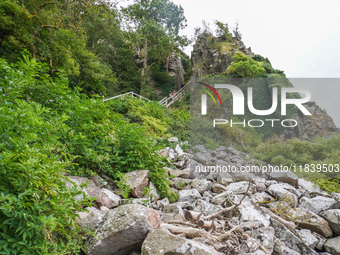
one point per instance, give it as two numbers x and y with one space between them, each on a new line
212 55
317 124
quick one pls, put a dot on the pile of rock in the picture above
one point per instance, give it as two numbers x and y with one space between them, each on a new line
217 215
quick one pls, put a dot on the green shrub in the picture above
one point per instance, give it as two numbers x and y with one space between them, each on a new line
49 129
244 67
37 211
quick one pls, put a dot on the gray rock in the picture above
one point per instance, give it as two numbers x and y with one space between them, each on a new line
221 155
333 246
321 241
103 196
308 186
189 195
175 208
166 217
278 191
205 207
270 182
181 183
173 140
281 249
185 173
112 200
162 242
309 220
153 194
260 184
240 187
224 181
248 212
223 197
261 198
307 237
179 151
288 177
333 219
218 188
91 218
317 204
289 239
172 156
201 185
137 181
123 230
160 204
266 236
201 158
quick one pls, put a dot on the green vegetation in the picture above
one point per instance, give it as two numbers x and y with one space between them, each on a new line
319 152
244 67
49 129
100 47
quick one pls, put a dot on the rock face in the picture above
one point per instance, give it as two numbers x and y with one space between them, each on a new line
175 70
317 124
212 55
123 230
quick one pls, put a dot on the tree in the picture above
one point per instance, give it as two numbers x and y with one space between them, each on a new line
154 24
237 32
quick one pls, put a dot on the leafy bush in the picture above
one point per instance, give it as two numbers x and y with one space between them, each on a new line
244 67
48 129
37 211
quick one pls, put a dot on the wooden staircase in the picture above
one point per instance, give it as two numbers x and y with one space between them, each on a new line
166 101
133 94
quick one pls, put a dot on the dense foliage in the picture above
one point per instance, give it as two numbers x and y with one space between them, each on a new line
98 45
49 129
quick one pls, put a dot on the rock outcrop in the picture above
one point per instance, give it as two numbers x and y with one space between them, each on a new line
175 70
317 124
212 55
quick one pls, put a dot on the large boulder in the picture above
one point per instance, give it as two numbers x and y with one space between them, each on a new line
289 238
333 245
190 195
309 220
333 219
162 242
248 211
318 203
137 181
280 191
91 218
123 230
104 197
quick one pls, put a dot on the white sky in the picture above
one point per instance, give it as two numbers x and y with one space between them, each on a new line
299 37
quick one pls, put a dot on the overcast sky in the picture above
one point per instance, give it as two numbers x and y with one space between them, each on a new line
300 37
